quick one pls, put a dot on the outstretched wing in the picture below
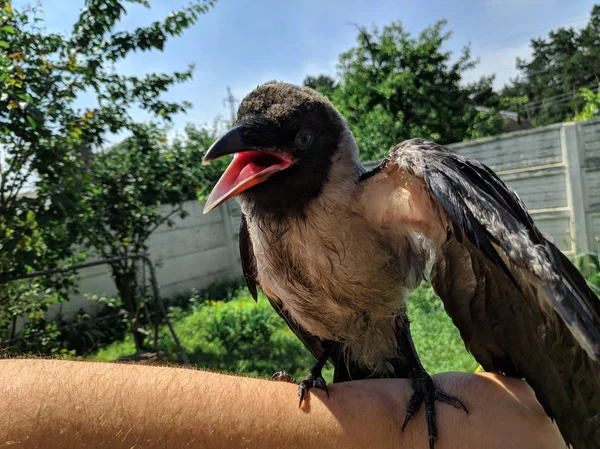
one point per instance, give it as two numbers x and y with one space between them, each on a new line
522 308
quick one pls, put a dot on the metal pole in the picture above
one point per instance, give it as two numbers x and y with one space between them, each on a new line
161 307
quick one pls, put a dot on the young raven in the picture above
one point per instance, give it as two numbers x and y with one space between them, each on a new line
336 249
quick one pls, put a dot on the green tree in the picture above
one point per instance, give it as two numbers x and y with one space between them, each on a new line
46 140
37 138
195 142
562 63
135 187
591 107
321 83
489 105
44 135
393 87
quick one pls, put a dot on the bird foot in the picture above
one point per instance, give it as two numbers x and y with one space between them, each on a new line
283 376
426 392
313 379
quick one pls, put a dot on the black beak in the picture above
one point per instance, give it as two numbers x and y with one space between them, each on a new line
230 143
253 134
256 159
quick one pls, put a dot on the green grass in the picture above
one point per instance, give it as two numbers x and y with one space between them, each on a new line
437 340
241 336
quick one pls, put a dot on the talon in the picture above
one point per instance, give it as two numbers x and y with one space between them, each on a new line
432 442
413 405
302 389
313 379
406 419
448 399
426 393
283 376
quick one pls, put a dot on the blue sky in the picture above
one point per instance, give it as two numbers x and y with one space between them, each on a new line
242 44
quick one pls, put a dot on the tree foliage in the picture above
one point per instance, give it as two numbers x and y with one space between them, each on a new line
42 131
591 106
47 140
195 142
393 87
562 63
134 188
321 83
37 136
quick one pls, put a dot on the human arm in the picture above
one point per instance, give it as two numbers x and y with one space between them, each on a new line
52 404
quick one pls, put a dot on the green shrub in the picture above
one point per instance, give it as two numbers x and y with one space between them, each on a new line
241 336
223 290
77 334
237 336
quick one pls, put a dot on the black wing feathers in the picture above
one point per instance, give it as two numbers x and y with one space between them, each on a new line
472 196
247 258
548 329
444 188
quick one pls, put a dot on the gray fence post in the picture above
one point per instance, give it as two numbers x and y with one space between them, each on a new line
572 158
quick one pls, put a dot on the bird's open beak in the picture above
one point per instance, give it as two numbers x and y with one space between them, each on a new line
250 166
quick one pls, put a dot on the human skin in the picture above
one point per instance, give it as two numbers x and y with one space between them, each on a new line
63 404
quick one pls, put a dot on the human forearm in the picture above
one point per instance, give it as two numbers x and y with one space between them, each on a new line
53 404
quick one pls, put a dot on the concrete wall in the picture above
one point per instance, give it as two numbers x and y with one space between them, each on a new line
196 252
555 170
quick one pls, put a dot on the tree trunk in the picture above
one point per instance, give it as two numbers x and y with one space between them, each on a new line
126 284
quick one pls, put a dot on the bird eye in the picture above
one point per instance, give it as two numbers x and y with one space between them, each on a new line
304 139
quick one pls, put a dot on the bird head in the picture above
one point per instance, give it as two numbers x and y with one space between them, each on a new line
282 146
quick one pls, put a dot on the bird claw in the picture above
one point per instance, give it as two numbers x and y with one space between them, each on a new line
444 397
426 392
313 379
283 376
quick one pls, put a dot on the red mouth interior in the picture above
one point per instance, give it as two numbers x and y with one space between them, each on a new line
247 169
253 163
